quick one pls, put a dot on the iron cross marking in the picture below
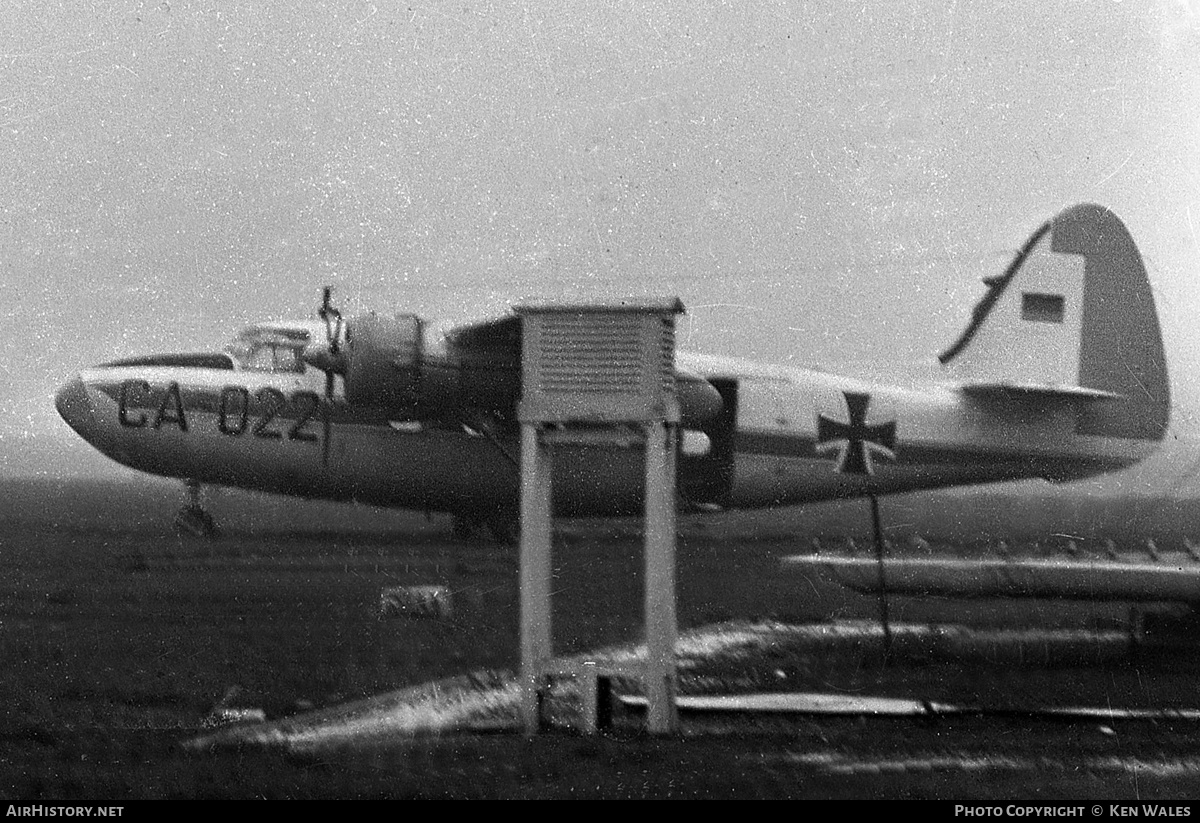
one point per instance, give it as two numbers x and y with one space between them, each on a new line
856 440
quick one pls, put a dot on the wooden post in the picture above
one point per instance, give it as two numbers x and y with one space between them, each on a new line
536 570
661 629
883 603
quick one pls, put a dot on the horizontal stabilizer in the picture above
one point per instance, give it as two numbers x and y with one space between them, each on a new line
1010 391
1059 579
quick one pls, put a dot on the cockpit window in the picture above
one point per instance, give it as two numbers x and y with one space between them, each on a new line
269 350
269 357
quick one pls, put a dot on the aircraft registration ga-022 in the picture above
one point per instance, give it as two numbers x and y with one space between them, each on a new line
1059 374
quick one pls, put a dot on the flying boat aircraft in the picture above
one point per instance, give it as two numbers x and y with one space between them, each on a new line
1059 374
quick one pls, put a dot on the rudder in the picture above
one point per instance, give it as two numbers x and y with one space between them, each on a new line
1074 312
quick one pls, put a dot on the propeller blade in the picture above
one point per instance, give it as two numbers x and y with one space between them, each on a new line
328 357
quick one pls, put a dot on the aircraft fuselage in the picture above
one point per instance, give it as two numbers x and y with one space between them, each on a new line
1060 373
793 437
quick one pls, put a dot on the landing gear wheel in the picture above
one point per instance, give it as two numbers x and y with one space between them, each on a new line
193 519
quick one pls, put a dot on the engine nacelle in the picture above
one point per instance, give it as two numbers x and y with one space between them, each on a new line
388 366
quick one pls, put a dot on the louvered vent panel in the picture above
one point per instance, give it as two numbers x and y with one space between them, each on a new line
591 353
667 355
599 364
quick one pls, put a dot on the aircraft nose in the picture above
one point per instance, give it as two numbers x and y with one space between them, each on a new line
74 405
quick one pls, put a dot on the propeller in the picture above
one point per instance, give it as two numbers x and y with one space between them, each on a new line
328 358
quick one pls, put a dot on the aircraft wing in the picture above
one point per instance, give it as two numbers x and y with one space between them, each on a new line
1079 579
501 336
489 355
487 358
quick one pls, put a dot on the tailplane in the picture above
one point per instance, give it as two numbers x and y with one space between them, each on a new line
1072 319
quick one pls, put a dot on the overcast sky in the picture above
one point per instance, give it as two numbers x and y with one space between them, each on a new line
820 182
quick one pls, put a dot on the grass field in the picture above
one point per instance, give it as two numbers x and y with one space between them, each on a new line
118 637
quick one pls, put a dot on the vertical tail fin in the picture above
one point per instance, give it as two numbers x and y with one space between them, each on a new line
1074 312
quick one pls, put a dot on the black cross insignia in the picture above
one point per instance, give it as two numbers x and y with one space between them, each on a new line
856 440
